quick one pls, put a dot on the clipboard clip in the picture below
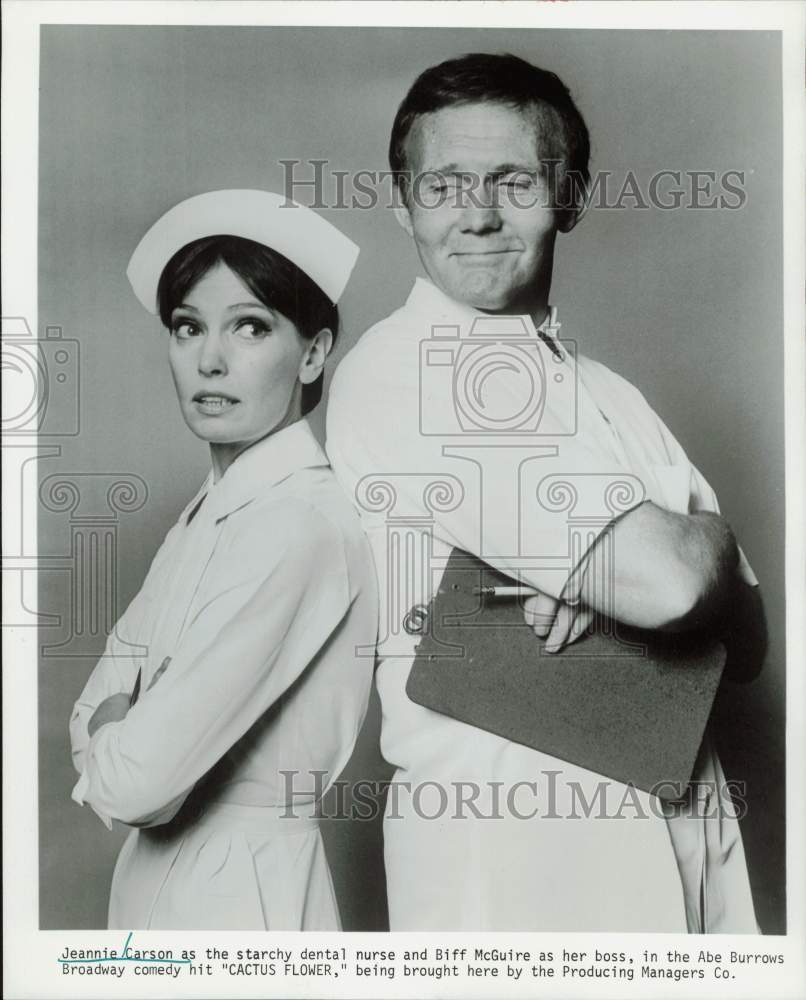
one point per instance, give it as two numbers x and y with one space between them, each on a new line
416 620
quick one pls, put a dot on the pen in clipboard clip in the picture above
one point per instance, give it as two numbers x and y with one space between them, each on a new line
519 590
516 591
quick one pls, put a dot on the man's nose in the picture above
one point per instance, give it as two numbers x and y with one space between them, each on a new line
480 214
212 360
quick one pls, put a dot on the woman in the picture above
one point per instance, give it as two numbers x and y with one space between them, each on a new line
259 612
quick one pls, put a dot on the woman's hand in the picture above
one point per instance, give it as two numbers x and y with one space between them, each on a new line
111 709
160 671
116 706
136 693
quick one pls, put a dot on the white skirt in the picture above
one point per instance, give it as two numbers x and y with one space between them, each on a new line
234 867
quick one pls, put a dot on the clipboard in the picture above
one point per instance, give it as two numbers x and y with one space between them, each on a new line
629 704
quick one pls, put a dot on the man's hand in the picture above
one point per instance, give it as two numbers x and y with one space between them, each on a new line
558 622
112 709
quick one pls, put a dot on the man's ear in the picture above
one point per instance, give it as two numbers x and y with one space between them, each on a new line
313 361
403 216
567 218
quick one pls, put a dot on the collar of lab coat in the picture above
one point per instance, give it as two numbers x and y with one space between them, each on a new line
427 299
260 467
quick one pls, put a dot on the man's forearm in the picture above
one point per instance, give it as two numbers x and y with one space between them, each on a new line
664 570
710 552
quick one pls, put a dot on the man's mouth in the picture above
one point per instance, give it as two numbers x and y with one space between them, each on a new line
471 255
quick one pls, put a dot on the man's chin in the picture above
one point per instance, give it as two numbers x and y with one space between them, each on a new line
485 295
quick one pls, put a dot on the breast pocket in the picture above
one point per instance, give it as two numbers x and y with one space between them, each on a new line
672 487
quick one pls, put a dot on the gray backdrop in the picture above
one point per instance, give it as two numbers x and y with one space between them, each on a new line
686 304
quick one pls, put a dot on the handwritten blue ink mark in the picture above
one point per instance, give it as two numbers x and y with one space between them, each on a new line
125 957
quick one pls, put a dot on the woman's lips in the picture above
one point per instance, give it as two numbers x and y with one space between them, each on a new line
213 403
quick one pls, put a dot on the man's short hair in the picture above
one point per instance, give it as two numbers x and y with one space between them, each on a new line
503 79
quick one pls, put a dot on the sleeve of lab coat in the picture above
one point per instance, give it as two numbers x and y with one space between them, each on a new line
237 657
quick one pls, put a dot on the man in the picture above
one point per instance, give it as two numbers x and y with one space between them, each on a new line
490 156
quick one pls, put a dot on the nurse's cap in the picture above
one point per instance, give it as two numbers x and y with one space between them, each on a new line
324 253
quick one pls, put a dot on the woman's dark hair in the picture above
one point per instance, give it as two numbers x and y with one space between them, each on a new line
502 79
272 278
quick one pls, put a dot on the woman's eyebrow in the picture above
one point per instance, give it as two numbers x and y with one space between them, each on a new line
184 306
252 304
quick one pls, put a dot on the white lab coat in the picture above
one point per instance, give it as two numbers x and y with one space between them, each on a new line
261 602
394 430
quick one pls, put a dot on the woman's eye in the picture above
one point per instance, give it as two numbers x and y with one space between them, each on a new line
252 329
183 329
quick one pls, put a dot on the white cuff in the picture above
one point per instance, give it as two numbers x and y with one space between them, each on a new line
81 787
